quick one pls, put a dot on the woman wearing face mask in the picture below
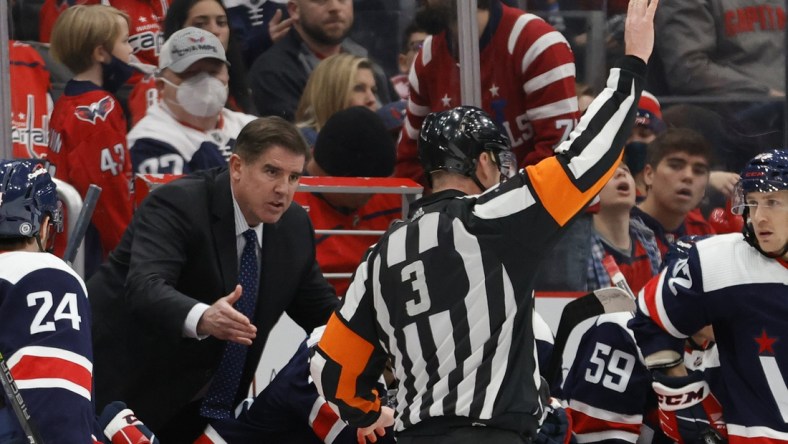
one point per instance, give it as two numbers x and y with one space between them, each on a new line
189 128
87 143
210 15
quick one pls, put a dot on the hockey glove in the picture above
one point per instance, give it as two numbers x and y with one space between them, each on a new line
122 427
556 427
688 412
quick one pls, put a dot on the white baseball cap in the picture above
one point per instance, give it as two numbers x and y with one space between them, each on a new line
187 46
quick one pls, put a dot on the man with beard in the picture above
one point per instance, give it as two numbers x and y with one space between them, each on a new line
527 80
320 29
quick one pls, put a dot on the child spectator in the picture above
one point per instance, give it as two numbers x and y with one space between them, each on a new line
87 143
413 38
616 235
31 104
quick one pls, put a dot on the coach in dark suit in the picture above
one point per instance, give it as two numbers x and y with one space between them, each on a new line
163 304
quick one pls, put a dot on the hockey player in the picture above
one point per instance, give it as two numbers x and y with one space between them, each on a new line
448 293
527 82
608 388
45 335
739 285
87 143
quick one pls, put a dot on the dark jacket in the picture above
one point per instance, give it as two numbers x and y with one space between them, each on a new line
180 249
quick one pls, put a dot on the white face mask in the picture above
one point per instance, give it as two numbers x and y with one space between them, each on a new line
201 95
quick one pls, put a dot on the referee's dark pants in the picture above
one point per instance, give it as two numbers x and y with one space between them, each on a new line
467 435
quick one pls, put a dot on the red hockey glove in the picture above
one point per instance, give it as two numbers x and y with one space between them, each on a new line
122 427
688 411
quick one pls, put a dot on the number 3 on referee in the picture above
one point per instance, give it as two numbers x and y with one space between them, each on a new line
414 273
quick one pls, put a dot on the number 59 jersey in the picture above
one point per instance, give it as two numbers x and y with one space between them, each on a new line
45 340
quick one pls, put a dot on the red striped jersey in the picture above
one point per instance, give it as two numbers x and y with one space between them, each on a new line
45 338
527 86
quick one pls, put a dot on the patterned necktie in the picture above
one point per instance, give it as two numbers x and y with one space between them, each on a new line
218 403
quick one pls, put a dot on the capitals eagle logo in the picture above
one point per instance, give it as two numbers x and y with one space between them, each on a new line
96 110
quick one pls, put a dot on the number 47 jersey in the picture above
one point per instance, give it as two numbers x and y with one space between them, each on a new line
45 340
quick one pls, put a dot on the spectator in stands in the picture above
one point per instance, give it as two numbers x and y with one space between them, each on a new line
185 304
211 16
676 174
31 103
648 124
617 236
258 25
337 83
412 39
723 48
87 142
188 129
353 143
527 86
50 11
320 29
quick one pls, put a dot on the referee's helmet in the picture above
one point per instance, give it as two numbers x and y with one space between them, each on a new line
452 141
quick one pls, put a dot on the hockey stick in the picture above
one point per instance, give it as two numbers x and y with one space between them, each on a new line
17 403
605 300
616 276
81 226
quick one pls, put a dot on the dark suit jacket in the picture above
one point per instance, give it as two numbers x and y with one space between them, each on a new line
180 249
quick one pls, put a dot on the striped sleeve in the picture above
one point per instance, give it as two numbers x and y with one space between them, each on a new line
584 163
348 360
547 70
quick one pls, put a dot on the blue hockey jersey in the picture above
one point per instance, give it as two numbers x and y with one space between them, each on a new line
608 387
744 296
45 339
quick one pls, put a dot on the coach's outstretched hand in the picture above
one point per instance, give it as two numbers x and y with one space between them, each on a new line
224 322
639 28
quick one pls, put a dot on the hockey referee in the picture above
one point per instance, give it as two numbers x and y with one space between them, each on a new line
447 294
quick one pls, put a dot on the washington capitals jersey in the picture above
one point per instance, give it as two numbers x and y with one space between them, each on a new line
527 86
45 340
341 254
31 103
146 28
449 292
728 284
161 144
87 145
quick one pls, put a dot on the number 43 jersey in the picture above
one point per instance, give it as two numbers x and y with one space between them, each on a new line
45 340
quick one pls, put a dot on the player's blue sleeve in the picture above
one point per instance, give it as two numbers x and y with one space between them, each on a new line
608 386
673 302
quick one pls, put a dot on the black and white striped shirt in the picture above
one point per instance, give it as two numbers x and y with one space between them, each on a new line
448 293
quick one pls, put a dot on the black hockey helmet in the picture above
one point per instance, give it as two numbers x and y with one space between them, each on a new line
452 141
767 172
27 195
